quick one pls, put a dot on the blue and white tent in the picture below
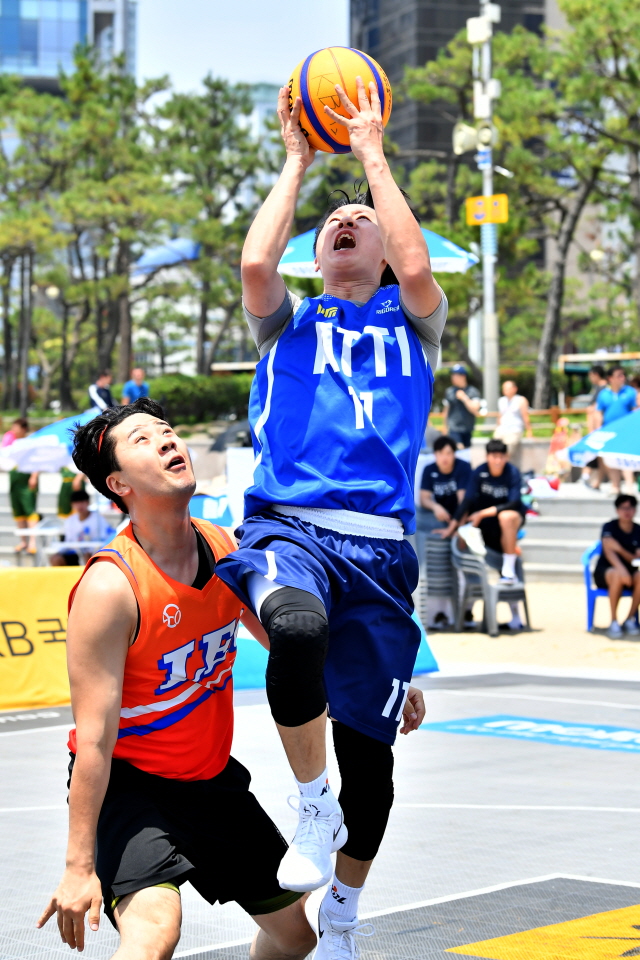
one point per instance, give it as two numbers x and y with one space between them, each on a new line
446 257
170 254
618 443
47 449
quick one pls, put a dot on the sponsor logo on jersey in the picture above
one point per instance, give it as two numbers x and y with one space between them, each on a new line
328 312
171 615
386 307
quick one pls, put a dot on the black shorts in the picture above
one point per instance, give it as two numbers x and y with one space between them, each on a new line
213 833
601 569
490 529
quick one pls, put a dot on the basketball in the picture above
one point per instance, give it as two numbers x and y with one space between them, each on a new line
314 81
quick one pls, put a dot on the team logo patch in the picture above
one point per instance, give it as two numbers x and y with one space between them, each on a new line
171 615
327 312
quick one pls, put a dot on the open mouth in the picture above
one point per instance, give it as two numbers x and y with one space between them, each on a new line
344 241
177 461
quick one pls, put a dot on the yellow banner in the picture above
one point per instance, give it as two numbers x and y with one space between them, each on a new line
33 631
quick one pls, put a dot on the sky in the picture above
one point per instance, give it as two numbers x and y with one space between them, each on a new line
241 40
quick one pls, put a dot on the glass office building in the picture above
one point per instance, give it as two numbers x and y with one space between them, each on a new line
37 37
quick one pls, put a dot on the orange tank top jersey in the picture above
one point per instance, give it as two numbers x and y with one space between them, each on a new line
176 719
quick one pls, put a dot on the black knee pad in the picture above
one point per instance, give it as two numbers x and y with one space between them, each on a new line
366 768
298 629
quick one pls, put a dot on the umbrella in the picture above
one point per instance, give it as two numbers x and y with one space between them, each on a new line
48 449
172 252
446 257
618 443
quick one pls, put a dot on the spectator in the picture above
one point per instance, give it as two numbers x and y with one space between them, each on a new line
71 481
513 419
442 489
23 490
83 525
615 401
592 474
135 388
492 502
618 565
461 407
99 392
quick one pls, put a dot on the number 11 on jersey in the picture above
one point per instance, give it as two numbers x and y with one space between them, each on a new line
363 405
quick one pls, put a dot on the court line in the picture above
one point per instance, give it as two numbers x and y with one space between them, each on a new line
513 806
28 809
433 902
531 696
56 726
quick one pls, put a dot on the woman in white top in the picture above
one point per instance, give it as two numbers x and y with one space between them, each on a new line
513 419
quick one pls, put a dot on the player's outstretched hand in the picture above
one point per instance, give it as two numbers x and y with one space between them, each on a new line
366 131
295 142
77 893
414 710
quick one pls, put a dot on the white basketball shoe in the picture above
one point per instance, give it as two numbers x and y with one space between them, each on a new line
337 941
321 831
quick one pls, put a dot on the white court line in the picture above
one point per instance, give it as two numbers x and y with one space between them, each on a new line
64 806
530 696
56 726
430 903
513 806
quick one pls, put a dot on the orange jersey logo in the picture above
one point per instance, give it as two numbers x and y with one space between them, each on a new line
176 719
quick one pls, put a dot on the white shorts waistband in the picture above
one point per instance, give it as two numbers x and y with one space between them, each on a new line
347 522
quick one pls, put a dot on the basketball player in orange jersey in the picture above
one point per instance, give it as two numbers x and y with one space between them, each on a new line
151 644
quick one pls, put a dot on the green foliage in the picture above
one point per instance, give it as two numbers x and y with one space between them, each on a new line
197 399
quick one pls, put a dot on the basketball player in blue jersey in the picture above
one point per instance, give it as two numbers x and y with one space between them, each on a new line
338 411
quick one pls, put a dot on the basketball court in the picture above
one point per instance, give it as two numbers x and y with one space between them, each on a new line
515 833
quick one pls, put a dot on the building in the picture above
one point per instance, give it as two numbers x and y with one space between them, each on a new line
38 37
400 33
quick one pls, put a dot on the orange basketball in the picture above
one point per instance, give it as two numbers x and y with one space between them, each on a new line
314 81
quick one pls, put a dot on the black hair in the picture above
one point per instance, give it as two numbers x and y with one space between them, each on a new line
496 446
21 422
598 369
365 199
103 373
625 498
78 496
445 441
614 369
94 449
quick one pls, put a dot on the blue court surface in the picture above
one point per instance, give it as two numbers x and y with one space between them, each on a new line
497 848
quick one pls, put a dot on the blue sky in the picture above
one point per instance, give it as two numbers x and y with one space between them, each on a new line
242 40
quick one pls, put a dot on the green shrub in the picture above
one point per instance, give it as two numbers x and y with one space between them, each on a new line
198 399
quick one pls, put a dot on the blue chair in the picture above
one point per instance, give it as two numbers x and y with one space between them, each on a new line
591 554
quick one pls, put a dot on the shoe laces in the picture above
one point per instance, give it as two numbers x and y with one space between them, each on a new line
311 830
344 946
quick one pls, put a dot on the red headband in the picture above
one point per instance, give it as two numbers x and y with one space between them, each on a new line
101 437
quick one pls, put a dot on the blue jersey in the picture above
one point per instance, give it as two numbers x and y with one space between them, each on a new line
339 408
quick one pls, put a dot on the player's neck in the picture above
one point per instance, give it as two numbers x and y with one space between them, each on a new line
360 290
166 535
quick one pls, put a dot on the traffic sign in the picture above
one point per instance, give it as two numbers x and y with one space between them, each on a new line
493 209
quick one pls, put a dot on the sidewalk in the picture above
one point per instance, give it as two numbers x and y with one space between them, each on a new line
558 643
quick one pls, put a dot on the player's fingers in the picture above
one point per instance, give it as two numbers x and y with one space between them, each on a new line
94 913
60 922
351 109
67 929
47 914
375 99
78 932
337 117
363 99
295 112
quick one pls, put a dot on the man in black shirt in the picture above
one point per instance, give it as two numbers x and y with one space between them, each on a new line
442 488
492 502
619 565
461 407
99 392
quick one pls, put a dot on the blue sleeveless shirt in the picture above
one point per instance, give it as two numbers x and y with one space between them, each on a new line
339 408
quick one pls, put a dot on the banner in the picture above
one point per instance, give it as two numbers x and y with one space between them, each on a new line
33 631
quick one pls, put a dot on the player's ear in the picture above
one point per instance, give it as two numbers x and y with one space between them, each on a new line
117 486
316 265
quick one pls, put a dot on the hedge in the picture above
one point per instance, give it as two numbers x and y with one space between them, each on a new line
199 399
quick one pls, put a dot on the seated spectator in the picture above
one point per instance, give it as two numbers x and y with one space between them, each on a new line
83 525
615 569
442 488
492 502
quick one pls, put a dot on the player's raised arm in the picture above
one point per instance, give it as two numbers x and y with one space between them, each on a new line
263 288
101 624
404 244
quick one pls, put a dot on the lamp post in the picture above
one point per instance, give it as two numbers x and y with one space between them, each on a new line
486 89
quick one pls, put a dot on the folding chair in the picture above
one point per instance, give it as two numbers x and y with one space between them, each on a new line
477 586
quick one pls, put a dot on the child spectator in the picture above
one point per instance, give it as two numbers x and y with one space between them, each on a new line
619 565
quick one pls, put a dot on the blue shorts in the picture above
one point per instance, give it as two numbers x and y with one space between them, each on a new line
365 585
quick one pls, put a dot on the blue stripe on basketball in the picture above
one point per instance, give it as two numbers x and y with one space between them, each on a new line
378 78
308 106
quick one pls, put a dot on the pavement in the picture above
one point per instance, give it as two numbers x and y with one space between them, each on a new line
517 816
